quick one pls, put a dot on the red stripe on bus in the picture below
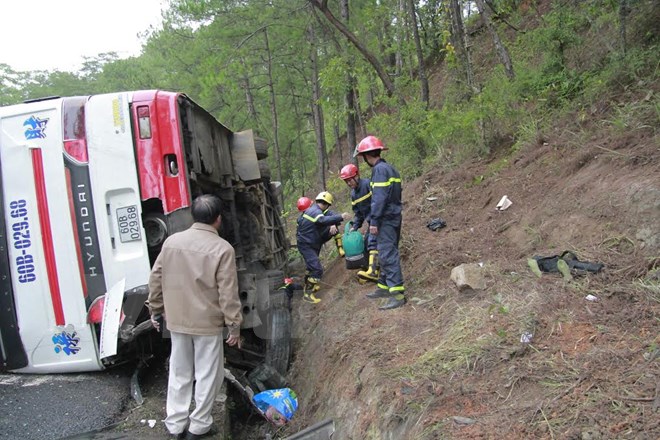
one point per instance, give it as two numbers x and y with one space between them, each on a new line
47 235
74 224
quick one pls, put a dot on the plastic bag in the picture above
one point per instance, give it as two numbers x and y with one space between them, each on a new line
277 405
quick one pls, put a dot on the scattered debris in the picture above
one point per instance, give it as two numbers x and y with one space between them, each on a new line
136 393
320 431
526 337
550 264
431 199
463 420
278 406
275 405
504 203
264 377
436 223
592 298
150 422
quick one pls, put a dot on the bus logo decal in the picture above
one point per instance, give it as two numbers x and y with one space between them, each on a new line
36 128
66 342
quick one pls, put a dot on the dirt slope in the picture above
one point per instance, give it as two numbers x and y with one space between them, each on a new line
592 368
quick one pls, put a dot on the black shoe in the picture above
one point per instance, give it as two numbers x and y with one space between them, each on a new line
379 293
393 302
207 434
179 436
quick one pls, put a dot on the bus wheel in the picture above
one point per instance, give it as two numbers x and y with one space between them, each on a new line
261 148
155 227
278 345
264 169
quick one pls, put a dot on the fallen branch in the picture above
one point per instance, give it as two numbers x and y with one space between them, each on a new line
636 399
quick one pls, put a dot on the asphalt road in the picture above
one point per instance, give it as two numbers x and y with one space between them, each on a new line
51 407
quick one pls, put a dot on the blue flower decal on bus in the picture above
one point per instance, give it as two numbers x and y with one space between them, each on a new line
37 128
66 342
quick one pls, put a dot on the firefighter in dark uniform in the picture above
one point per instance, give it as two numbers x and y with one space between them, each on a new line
316 225
361 202
385 222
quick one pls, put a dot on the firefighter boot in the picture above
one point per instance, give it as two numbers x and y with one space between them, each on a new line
371 274
311 286
340 245
394 301
382 291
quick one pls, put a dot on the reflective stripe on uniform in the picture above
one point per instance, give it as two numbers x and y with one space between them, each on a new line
361 199
388 183
312 219
397 289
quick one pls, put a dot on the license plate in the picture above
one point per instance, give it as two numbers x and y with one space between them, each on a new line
128 223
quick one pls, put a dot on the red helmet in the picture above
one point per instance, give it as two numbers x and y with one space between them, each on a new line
370 143
288 281
304 203
349 171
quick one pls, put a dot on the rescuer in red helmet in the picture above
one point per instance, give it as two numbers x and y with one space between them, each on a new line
361 202
385 222
316 225
304 203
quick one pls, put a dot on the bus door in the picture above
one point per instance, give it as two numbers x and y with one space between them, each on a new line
42 271
115 191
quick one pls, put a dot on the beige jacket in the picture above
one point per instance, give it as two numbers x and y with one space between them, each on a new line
194 282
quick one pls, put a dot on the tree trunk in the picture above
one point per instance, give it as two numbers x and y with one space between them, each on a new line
624 10
273 112
460 42
435 23
335 129
359 119
252 112
421 71
316 109
400 37
299 118
502 52
350 120
322 6
349 97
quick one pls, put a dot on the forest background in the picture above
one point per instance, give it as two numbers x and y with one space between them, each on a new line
313 77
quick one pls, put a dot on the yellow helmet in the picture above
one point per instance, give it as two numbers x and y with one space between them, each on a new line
326 197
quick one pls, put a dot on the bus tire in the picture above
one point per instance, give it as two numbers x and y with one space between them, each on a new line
261 148
278 345
264 169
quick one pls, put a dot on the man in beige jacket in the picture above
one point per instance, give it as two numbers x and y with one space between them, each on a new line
194 285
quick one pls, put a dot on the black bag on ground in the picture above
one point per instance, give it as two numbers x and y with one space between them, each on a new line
549 264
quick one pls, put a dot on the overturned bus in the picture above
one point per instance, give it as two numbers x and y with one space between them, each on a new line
90 188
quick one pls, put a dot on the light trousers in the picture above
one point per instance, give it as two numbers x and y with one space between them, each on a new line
199 359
